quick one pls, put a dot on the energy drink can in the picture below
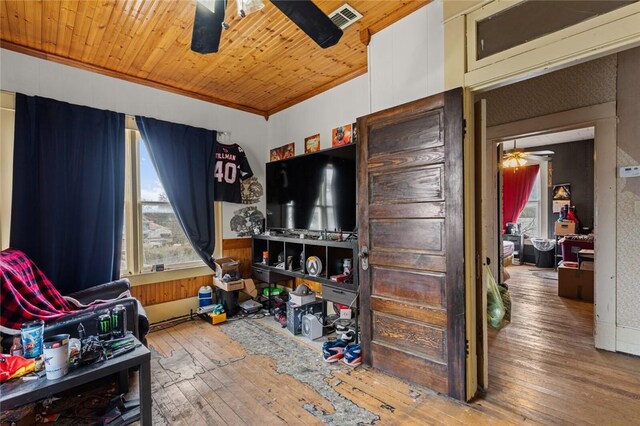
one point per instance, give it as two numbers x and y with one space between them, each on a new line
118 321
104 327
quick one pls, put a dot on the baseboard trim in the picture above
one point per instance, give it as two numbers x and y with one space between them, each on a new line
168 310
628 340
605 336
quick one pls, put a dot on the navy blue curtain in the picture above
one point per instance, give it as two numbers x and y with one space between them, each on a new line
184 158
68 191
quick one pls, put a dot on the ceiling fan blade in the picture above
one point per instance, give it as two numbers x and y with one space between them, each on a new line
207 27
310 19
543 152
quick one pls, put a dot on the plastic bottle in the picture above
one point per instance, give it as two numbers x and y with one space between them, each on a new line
16 348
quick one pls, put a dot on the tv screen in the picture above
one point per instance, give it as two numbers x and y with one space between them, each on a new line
313 191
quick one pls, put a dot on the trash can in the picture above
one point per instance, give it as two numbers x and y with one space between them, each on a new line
544 252
229 300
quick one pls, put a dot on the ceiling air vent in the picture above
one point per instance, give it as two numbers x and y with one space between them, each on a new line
344 16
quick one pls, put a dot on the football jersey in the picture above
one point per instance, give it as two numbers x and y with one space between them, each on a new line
231 167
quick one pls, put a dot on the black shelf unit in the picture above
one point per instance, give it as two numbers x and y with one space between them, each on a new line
331 254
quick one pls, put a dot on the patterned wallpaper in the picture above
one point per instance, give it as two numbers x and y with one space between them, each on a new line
582 85
628 190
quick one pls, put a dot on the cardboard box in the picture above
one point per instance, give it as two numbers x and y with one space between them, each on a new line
574 283
227 265
564 228
246 286
302 300
296 312
228 286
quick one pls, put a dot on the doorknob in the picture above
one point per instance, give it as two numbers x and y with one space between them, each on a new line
364 257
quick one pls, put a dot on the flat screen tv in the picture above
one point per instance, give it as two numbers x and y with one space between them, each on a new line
313 191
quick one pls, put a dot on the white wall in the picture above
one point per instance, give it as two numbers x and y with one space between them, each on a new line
406 62
330 109
36 77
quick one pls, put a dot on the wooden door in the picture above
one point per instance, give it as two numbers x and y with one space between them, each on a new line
411 218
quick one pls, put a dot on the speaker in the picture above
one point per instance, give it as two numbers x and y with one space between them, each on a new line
311 327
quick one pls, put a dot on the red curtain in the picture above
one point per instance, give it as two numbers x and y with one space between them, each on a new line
516 188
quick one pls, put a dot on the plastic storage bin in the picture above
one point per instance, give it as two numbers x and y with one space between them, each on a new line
544 252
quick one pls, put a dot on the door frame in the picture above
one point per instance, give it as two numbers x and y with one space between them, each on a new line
603 118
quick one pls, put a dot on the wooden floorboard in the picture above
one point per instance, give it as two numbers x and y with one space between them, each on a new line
201 376
544 368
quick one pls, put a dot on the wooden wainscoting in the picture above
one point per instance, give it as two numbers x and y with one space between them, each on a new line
169 291
239 249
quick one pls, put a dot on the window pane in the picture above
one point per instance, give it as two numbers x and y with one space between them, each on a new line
535 192
162 238
123 253
150 187
529 222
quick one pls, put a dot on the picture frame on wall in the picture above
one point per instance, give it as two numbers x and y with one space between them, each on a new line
354 133
562 191
282 152
312 144
341 135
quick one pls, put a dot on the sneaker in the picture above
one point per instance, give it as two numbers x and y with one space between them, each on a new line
333 350
281 317
348 336
352 355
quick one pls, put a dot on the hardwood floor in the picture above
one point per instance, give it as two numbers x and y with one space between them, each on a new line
201 376
544 368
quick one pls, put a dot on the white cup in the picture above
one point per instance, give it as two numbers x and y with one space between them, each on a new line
56 356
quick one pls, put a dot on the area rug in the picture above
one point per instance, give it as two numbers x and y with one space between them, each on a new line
304 364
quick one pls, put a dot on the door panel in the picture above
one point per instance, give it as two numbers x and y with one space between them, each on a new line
420 287
420 235
418 131
410 172
415 184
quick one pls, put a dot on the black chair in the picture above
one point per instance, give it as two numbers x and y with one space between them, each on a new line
137 321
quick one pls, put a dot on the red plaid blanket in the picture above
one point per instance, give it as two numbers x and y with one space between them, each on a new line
27 294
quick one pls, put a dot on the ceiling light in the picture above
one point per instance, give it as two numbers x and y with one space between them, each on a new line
246 7
514 160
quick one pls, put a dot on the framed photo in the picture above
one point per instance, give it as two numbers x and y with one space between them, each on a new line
562 192
354 133
312 144
341 135
282 152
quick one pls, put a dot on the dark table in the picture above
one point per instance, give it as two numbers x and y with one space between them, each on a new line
18 392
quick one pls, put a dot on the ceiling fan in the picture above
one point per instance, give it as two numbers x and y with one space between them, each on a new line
209 21
517 157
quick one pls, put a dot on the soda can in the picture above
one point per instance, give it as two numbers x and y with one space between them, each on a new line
104 327
118 321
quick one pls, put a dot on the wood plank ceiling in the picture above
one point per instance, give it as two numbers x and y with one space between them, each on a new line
265 63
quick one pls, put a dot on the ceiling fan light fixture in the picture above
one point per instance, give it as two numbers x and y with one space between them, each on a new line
512 161
246 7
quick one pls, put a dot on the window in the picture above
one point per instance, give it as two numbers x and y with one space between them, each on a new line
152 233
530 216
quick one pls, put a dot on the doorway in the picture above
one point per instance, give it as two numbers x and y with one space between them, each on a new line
532 365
